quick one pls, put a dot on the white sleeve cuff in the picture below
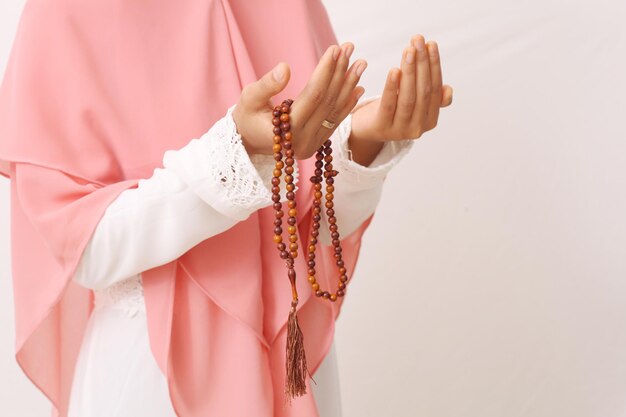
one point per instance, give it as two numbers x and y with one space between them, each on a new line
356 176
219 170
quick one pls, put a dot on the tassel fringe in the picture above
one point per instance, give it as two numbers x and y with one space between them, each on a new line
295 383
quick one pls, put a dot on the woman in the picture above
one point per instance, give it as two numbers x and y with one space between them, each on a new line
113 199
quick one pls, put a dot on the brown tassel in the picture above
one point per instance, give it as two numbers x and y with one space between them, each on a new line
295 383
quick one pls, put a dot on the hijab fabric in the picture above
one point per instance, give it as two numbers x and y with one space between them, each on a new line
93 95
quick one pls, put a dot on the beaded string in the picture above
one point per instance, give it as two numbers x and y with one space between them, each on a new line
296 367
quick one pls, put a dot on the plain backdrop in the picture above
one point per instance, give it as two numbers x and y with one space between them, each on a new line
492 281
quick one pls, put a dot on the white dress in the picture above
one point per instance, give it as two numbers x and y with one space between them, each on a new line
166 215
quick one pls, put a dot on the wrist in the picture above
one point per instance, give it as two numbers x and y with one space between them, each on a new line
363 143
250 147
363 151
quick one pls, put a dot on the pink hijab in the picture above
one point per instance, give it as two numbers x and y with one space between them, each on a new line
94 93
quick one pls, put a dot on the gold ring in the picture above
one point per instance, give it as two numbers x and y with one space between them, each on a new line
328 124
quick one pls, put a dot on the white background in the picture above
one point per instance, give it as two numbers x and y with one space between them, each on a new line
492 282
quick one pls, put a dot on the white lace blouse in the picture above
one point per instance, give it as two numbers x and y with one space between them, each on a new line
203 189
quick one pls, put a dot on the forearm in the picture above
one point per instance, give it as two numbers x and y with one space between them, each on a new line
204 189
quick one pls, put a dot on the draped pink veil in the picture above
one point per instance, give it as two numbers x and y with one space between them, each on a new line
94 93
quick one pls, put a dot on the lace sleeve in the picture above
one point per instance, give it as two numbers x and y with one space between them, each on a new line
204 189
219 170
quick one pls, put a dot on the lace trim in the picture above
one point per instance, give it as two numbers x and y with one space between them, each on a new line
229 163
126 295
218 168
265 167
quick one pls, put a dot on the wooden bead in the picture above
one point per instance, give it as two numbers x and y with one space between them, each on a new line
323 172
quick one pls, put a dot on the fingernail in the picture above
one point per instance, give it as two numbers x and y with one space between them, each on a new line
420 44
360 68
278 73
349 51
359 94
394 77
336 51
410 56
433 49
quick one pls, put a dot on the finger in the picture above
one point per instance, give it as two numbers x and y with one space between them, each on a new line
257 95
436 83
332 92
407 95
352 101
352 79
447 96
344 101
424 86
315 89
389 98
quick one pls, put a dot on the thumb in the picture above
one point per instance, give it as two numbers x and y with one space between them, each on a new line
260 92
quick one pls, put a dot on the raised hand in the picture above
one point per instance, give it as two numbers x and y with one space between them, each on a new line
410 102
331 93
